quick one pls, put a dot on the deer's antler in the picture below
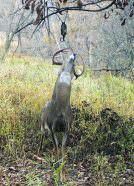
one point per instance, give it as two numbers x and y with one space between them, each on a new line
56 53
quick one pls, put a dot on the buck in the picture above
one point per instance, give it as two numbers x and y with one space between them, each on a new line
57 115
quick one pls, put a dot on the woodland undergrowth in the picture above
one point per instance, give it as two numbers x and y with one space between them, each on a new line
101 138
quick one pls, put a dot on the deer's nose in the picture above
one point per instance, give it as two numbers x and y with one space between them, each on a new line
73 56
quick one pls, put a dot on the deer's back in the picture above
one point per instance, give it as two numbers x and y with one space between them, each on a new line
53 117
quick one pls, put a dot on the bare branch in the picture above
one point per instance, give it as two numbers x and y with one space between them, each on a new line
58 10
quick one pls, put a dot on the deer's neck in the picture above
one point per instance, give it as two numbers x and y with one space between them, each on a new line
65 79
62 90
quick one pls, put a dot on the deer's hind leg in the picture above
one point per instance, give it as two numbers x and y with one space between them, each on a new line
55 140
43 126
41 135
41 143
64 140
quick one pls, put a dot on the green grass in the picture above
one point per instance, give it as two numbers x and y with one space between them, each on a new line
26 84
106 91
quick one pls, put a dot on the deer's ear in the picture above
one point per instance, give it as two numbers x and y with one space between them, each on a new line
76 74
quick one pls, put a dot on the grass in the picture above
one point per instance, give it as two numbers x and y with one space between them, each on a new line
103 115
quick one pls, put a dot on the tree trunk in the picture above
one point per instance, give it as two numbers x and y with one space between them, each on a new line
9 38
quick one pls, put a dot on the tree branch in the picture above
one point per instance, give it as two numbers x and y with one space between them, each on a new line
73 8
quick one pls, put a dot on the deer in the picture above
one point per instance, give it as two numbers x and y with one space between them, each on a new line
57 116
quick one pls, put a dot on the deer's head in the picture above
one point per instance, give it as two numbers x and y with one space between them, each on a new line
68 66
